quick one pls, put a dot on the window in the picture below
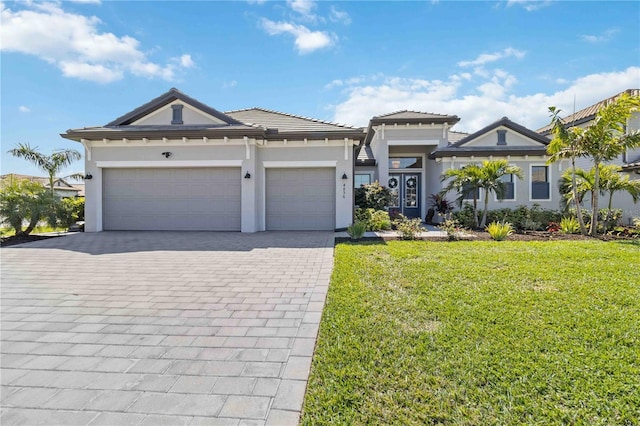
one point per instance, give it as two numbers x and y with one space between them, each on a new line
405 162
540 183
502 137
467 192
509 190
177 114
361 179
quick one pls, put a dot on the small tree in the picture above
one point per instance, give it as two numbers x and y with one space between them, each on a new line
50 164
487 176
23 201
566 145
492 173
606 139
464 180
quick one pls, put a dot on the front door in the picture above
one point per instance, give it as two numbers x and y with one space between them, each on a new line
405 194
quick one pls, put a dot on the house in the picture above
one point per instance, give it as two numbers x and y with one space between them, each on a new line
175 163
628 161
61 188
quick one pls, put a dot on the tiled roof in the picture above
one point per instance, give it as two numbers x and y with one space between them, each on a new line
588 113
414 115
284 122
504 121
456 136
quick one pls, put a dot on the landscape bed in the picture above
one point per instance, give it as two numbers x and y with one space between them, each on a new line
479 332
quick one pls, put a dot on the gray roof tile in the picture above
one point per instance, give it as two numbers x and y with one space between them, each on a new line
284 122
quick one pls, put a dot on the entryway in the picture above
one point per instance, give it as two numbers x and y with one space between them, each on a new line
405 192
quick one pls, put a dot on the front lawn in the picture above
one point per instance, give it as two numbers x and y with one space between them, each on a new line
479 333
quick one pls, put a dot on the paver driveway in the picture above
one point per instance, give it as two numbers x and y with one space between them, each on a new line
157 328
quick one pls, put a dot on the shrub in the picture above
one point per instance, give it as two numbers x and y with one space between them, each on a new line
373 196
569 225
375 220
553 227
452 228
409 228
499 231
464 216
636 223
70 211
379 221
356 230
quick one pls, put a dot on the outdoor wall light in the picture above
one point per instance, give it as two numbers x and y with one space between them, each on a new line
166 154
247 175
344 176
88 176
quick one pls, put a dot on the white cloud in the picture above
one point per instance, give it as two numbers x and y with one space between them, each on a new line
604 37
303 7
186 61
306 41
486 58
23 108
529 5
339 16
487 102
229 84
74 44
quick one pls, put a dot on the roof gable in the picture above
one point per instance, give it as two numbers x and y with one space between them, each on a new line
162 102
519 141
416 117
503 123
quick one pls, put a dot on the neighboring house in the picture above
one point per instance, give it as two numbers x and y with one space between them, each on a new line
177 164
61 188
628 161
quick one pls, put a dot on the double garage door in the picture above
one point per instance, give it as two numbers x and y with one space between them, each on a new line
197 199
209 199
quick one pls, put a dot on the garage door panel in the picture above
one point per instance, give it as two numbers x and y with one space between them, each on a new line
172 199
300 199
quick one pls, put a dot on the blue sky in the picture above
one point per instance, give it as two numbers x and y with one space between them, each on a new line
83 63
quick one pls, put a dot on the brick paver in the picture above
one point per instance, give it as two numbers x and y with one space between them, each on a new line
160 327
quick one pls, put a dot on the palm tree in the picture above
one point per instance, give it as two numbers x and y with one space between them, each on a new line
50 164
612 181
464 180
472 177
491 174
606 139
566 145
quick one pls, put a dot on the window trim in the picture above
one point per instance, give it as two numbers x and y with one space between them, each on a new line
549 180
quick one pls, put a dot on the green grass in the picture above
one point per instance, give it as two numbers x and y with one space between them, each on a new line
479 333
8 232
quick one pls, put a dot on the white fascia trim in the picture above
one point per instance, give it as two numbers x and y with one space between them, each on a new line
168 164
298 164
413 142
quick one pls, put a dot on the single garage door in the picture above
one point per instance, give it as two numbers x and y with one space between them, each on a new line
195 199
300 199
